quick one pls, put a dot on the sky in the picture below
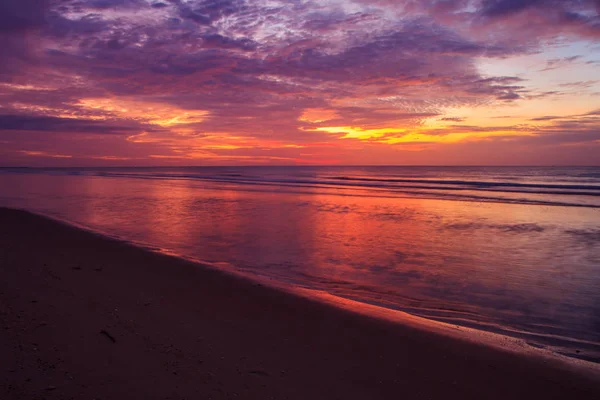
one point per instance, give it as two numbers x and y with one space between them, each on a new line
269 82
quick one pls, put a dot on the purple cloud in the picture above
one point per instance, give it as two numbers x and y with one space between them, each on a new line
106 4
18 20
498 8
252 69
21 15
55 124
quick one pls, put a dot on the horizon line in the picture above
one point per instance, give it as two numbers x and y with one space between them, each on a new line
311 166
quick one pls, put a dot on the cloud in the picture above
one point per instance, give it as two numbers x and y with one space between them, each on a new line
560 62
55 124
255 71
579 84
561 138
546 17
18 20
106 4
205 12
223 42
546 118
38 153
17 16
509 96
498 8
159 5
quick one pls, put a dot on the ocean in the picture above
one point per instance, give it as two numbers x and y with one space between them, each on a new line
511 250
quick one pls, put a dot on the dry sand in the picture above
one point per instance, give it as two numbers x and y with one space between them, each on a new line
85 317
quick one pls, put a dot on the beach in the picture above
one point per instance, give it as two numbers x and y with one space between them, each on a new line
83 316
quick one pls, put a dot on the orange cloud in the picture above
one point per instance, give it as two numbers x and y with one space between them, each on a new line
316 115
163 115
44 154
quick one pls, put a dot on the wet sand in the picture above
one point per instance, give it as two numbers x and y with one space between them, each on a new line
86 317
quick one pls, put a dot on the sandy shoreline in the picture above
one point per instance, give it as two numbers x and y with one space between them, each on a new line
82 316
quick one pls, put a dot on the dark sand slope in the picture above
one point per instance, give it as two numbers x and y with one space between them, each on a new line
184 331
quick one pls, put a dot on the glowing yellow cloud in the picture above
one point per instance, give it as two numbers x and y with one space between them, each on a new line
164 115
360 133
402 135
428 138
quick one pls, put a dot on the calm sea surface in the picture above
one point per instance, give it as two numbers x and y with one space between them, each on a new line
514 250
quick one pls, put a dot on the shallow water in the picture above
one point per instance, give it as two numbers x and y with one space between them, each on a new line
509 250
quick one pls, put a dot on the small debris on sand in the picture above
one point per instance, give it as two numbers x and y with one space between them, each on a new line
108 335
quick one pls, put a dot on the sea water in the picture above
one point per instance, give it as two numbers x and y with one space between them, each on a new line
513 250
